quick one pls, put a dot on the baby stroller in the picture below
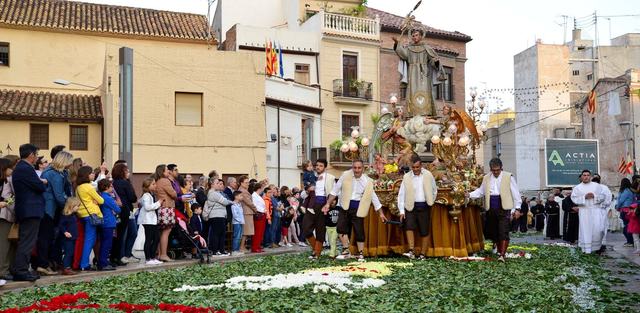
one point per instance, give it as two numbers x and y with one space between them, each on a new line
181 241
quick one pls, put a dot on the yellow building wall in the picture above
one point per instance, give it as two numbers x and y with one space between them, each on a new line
335 6
496 119
232 137
331 68
16 133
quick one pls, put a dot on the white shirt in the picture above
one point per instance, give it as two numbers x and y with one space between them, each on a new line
320 183
359 184
261 206
418 189
494 190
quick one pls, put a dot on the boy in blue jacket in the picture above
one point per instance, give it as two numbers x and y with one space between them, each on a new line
109 211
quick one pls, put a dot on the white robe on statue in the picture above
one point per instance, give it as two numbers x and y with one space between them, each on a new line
592 216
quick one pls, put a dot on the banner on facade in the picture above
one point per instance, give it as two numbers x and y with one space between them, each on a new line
567 158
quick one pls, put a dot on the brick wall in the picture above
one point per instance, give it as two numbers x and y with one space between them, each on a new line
390 78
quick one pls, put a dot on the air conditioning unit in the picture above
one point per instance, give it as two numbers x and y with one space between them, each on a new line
318 153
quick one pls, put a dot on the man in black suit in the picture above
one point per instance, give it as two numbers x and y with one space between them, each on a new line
29 207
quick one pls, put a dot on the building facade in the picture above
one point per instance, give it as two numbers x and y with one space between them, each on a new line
550 81
613 124
167 95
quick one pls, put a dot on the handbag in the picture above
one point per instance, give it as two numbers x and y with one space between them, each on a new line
13 232
94 219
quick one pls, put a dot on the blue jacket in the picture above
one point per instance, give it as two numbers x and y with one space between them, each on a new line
625 199
195 225
109 210
28 189
56 194
308 177
68 223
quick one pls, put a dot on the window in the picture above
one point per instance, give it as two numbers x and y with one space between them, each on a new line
349 119
570 133
302 74
576 72
593 126
448 84
403 91
78 138
39 135
565 133
4 54
188 109
559 133
349 74
590 76
436 91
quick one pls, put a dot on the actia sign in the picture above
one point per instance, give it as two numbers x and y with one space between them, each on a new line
566 158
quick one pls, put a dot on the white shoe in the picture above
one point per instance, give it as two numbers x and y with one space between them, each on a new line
410 255
289 245
302 244
237 253
494 251
125 260
151 262
343 257
133 259
3 282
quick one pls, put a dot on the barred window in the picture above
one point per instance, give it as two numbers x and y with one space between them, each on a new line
39 135
78 138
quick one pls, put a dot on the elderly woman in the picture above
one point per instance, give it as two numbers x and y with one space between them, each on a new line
55 198
248 209
215 213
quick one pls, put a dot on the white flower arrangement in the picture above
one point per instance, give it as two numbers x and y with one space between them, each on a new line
560 244
331 279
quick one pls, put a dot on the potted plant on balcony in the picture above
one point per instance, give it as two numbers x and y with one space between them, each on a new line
359 85
335 149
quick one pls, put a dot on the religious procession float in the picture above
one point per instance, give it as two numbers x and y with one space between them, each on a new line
446 137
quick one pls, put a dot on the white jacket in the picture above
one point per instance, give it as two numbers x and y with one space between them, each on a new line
148 212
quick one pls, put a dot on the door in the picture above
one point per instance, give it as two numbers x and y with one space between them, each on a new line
349 74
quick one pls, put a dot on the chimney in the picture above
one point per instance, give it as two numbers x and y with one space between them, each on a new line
576 34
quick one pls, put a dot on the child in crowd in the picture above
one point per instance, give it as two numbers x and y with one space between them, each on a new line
331 222
68 227
237 221
148 218
286 223
195 222
308 177
109 211
633 228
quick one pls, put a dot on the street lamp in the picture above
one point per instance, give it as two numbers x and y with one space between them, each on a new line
65 82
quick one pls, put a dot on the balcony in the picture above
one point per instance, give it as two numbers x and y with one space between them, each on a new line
360 92
289 91
338 159
344 26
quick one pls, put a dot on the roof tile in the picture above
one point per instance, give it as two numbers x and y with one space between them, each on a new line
17 104
100 18
394 22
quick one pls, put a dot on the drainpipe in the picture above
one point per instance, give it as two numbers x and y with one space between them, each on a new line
278 140
319 96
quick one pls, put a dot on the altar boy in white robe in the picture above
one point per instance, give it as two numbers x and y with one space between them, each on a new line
590 199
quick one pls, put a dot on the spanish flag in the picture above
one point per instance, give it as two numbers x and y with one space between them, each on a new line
591 102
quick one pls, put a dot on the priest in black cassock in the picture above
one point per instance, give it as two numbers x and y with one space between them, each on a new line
552 208
538 214
570 209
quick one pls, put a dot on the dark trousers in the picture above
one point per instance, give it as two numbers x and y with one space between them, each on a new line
118 244
313 222
106 242
625 221
151 239
523 223
275 228
44 243
130 238
68 245
217 232
267 238
28 235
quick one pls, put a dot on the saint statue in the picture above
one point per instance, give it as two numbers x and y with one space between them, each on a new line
424 64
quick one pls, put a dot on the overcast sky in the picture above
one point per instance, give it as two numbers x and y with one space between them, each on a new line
499 28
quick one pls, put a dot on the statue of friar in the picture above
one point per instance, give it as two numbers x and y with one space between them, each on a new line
424 68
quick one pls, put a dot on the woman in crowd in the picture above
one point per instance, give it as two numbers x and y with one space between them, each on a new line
260 217
626 198
55 198
7 217
41 165
215 213
90 201
126 230
167 218
73 172
248 209
148 218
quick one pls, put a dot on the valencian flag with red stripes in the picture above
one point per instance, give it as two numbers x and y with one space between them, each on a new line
591 102
626 166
